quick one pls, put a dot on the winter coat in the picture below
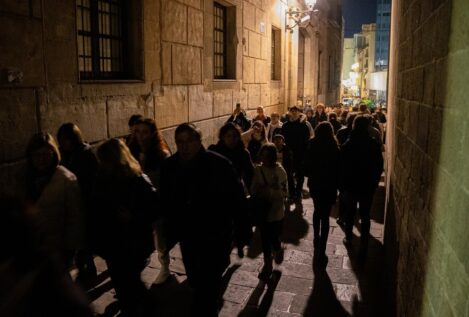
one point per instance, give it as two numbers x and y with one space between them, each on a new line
125 208
361 163
60 211
321 165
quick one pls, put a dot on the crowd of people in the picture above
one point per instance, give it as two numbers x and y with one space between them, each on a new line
130 196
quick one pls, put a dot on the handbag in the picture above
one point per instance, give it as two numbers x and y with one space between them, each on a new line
260 203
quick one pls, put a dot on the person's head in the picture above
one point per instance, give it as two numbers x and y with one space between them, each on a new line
260 111
258 128
324 131
268 155
362 107
332 116
351 116
69 137
309 113
361 124
115 159
320 108
147 134
275 117
133 121
230 135
42 153
188 140
278 140
294 112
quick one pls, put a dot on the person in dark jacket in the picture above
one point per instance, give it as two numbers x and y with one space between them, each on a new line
78 157
150 150
201 194
361 165
319 115
320 164
296 133
33 282
232 147
239 118
126 205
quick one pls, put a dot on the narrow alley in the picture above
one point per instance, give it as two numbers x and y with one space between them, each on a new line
298 287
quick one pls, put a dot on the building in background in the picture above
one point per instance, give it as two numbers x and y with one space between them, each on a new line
378 80
383 22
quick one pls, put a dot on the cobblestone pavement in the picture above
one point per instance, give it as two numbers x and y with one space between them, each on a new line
347 287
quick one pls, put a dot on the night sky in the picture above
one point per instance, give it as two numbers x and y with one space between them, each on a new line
356 13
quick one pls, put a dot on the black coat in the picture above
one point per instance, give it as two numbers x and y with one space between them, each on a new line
321 165
201 199
361 163
125 208
240 159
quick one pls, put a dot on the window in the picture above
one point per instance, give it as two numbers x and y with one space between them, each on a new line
275 55
224 47
219 40
105 50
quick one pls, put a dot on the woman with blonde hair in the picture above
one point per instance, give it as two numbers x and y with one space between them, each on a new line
55 192
125 208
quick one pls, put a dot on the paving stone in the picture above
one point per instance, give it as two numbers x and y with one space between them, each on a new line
342 276
237 293
297 270
295 285
300 257
346 292
347 264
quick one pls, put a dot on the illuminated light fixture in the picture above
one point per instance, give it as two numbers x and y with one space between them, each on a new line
300 16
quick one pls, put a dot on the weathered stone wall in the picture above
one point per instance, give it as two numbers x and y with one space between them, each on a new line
38 38
427 212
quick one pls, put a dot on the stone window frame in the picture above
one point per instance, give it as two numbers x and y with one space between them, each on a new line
276 54
230 40
131 60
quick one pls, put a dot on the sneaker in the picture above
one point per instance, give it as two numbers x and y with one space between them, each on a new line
162 276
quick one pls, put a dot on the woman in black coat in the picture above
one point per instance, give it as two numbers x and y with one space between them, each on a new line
125 208
321 161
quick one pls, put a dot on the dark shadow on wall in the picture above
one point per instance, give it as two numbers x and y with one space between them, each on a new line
417 118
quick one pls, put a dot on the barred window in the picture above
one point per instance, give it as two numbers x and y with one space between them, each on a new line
219 40
102 40
224 41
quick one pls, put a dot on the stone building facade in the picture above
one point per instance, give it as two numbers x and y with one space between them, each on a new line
95 63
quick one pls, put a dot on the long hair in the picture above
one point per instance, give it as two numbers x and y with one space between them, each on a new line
38 141
158 147
114 154
324 132
230 126
271 154
71 132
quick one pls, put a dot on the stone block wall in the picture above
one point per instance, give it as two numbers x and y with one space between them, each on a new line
427 213
173 78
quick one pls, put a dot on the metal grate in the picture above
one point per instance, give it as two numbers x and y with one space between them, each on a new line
219 40
100 39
